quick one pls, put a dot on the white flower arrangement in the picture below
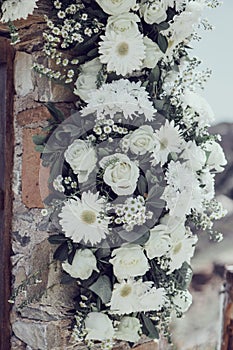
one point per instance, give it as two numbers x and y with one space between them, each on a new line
134 170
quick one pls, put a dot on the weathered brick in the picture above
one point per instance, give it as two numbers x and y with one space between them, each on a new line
31 194
148 346
33 115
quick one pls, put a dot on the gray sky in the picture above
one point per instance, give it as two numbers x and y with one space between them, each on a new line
216 51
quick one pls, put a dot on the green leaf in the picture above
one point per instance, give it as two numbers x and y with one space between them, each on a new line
162 42
39 139
56 113
149 328
143 239
61 252
103 288
66 278
39 148
142 185
163 26
57 239
155 74
103 253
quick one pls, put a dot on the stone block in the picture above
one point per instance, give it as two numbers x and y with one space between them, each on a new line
33 115
31 179
23 76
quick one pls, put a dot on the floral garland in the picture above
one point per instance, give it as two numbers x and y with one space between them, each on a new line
133 172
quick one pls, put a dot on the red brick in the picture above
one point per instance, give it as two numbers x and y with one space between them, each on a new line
33 115
31 193
148 346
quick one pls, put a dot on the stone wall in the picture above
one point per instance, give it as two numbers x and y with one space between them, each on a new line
40 315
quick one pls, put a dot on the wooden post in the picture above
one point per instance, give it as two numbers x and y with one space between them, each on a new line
227 309
6 162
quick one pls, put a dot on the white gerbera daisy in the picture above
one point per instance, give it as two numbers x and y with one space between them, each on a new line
82 219
136 296
122 54
13 10
168 140
182 249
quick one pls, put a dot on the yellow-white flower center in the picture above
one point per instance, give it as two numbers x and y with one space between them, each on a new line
88 217
123 49
163 143
126 290
177 248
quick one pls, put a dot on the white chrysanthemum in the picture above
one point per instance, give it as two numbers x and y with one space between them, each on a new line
98 326
183 191
13 10
182 249
129 261
83 264
216 159
128 329
136 296
168 140
120 98
195 156
122 54
82 220
200 106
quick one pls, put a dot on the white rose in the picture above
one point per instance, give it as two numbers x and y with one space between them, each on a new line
98 326
82 159
83 264
153 53
125 23
215 156
141 140
195 156
182 300
120 173
129 261
154 12
115 7
159 242
87 79
128 329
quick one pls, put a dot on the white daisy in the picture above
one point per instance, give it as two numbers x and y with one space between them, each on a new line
182 249
122 54
13 10
168 140
136 296
83 220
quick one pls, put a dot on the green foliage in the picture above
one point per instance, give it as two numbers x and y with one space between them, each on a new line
103 288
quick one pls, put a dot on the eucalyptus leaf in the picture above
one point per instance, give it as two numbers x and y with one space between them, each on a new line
56 113
142 185
103 288
162 42
149 328
57 239
61 252
39 139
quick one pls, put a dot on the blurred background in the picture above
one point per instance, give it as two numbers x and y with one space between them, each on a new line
200 327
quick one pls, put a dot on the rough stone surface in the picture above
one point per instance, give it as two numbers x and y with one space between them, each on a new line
23 76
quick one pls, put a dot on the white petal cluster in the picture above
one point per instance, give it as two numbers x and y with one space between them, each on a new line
121 97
